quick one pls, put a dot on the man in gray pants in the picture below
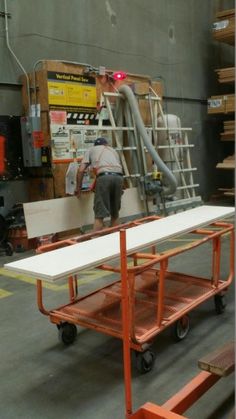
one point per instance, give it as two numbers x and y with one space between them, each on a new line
108 190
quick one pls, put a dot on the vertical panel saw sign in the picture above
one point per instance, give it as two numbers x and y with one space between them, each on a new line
73 107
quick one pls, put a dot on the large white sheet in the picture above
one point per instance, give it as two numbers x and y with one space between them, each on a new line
67 261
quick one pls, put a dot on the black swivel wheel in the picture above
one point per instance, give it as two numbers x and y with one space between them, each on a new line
220 303
9 249
67 333
145 361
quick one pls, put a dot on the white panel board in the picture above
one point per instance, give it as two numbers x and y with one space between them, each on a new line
62 214
56 215
67 261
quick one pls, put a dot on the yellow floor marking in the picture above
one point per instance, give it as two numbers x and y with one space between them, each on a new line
4 293
91 276
86 277
14 275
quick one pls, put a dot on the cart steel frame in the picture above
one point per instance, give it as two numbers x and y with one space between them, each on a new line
156 298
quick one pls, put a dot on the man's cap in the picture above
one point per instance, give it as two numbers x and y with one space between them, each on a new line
100 141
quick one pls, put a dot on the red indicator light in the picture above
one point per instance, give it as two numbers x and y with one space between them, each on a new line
119 75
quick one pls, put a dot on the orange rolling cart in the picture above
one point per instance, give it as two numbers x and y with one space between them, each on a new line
156 297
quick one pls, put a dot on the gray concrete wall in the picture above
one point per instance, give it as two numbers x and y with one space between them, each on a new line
170 39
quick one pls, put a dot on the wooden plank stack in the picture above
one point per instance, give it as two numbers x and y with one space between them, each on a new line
226 75
228 191
221 104
224 27
228 163
223 31
229 131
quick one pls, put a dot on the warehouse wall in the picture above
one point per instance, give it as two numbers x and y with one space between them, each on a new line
167 39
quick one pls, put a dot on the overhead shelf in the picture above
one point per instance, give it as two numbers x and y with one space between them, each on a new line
224 27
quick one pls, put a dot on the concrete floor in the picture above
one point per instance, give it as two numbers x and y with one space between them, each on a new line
40 378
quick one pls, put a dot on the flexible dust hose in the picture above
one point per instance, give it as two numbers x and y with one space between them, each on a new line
128 93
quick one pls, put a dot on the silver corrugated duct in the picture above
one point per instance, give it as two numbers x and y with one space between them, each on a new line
129 95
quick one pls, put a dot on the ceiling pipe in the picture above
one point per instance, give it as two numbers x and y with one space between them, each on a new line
6 14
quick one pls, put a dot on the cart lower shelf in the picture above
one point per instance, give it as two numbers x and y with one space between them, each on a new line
101 310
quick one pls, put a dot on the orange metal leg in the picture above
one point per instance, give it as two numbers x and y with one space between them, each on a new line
40 298
232 251
71 288
163 265
125 323
216 261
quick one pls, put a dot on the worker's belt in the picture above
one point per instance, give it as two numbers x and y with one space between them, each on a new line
109 174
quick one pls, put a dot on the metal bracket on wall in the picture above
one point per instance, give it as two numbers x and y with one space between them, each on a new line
3 14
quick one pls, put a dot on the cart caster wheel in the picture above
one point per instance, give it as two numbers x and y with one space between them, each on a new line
67 333
145 361
9 249
181 328
220 303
